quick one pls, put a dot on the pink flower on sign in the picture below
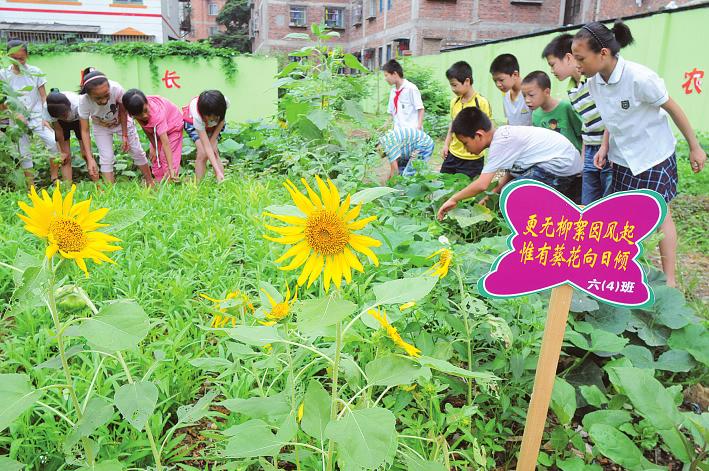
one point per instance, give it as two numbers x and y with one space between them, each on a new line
595 249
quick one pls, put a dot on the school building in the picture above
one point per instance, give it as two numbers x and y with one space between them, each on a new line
200 18
378 30
47 21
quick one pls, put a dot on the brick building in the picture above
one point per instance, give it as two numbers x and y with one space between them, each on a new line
200 18
377 30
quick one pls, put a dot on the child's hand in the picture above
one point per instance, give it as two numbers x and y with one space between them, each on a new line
126 145
697 157
92 168
444 151
599 160
445 207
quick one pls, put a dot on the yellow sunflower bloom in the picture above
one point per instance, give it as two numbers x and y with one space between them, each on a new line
219 321
279 310
68 228
324 240
440 268
301 409
406 306
393 334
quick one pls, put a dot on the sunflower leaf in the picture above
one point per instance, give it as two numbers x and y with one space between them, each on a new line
16 396
117 326
370 194
318 313
404 290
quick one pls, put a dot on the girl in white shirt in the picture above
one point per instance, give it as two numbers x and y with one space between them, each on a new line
634 105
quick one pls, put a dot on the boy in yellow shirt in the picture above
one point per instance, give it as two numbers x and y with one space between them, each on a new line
457 159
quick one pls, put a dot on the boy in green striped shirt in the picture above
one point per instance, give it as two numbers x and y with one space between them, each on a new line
596 183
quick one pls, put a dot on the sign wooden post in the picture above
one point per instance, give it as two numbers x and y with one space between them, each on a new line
554 329
556 244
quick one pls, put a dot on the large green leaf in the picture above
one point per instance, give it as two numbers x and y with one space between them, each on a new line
320 118
323 312
593 395
136 402
404 290
670 308
693 339
119 219
111 465
269 407
615 445
610 318
446 367
600 341
394 371
563 401
414 463
648 329
614 418
365 435
677 361
7 464
353 110
469 216
192 413
16 396
370 194
316 410
98 412
117 326
639 356
251 439
254 335
353 63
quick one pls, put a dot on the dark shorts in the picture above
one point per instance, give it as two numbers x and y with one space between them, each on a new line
471 168
661 178
568 186
68 126
192 132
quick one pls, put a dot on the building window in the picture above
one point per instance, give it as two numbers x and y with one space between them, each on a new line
388 51
381 6
372 10
389 2
213 30
297 16
213 9
335 17
380 53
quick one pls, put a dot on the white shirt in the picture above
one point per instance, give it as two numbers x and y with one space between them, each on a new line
74 99
105 115
522 147
517 112
29 76
197 121
629 103
406 112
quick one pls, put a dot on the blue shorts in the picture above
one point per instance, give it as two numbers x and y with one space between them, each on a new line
661 178
192 132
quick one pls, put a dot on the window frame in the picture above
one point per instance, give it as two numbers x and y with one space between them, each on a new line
294 9
341 23
209 9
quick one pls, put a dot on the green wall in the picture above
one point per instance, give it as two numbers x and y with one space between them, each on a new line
670 43
250 91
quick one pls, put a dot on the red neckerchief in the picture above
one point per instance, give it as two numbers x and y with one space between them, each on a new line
396 98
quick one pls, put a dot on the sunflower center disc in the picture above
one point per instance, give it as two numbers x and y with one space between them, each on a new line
326 233
68 235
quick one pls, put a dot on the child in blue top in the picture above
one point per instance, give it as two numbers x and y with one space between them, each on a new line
402 146
635 106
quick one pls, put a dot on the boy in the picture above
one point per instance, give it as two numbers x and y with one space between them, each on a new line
505 73
456 158
548 112
405 104
402 146
522 151
28 81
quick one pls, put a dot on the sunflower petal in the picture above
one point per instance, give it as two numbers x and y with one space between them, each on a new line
316 269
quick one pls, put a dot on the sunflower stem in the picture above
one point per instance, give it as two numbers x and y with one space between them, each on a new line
468 340
333 404
148 431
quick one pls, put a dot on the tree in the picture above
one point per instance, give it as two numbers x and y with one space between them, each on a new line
235 18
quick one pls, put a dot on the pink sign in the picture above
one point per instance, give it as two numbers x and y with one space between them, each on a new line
595 249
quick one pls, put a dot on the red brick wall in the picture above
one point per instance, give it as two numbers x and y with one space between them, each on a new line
618 8
200 18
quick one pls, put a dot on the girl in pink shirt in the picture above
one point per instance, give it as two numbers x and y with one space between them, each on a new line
162 123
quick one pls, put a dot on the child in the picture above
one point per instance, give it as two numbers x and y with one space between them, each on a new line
505 73
28 81
596 183
162 123
402 147
634 104
204 122
101 102
405 104
522 151
548 112
456 158
63 114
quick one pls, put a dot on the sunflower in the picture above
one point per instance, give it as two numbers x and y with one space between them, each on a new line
279 310
440 268
69 228
324 239
381 317
233 299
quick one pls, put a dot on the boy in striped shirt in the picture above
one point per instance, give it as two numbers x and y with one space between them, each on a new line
402 146
596 183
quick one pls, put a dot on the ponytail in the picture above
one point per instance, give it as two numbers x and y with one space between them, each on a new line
598 36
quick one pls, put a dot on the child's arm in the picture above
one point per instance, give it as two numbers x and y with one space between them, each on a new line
168 154
123 118
447 142
86 148
421 112
599 160
697 156
215 134
61 142
207 144
393 168
476 187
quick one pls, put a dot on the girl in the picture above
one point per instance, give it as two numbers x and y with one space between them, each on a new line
634 105
162 123
204 122
101 101
63 115
596 183
28 82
